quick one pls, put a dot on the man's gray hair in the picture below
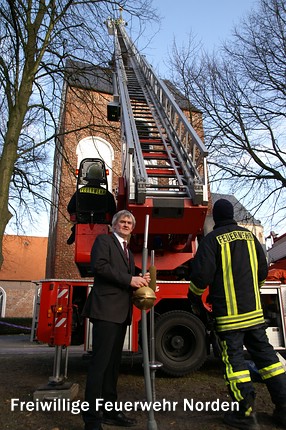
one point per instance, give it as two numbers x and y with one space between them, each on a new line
121 214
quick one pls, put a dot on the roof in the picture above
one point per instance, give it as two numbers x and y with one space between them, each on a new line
280 239
87 76
180 99
241 214
278 249
96 78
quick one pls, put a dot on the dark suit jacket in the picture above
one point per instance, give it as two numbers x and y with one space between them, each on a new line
110 297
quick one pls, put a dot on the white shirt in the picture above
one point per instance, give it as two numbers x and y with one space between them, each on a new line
121 240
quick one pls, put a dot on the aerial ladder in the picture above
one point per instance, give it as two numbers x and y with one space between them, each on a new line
163 159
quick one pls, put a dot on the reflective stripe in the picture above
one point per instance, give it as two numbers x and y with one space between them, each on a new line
248 412
228 283
60 321
226 327
228 371
254 269
63 292
241 376
92 190
261 283
196 290
245 320
271 371
241 317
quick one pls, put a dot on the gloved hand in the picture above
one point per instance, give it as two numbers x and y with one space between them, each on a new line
195 302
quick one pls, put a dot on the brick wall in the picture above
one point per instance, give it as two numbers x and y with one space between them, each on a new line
19 298
86 114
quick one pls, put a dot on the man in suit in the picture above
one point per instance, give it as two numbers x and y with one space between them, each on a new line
109 307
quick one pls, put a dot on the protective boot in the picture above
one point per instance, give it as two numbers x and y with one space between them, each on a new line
240 421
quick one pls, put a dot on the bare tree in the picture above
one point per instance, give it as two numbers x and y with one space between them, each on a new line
241 90
36 38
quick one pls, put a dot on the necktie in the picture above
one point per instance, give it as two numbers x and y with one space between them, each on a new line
126 250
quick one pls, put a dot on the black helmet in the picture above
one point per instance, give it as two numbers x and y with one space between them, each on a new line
95 171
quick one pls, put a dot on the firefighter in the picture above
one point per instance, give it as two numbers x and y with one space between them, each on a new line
232 262
94 200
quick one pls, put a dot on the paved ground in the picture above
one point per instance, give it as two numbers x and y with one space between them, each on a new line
21 344
26 366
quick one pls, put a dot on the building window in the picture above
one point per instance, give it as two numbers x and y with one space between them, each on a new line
2 302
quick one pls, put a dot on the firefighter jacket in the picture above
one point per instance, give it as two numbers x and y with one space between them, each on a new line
92 199
231 262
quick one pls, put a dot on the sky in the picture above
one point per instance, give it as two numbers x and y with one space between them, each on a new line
210 21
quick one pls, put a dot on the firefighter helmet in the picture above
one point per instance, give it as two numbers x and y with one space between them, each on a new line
144 298
95 171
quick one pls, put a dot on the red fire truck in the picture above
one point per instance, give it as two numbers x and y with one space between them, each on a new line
165 177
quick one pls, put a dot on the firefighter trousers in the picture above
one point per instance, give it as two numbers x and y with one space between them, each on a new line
237 374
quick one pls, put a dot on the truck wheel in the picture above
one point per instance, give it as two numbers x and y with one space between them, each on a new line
180 342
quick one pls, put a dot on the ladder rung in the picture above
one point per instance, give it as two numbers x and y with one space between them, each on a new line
159 193
155 155
160 174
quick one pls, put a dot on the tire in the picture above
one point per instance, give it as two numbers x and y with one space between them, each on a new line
180 342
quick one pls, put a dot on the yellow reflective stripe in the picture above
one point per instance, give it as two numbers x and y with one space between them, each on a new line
196 290
241 317
254 268
226 327
236 324
228 280
248 412
239 376
271 371
245 377
229 371
92 190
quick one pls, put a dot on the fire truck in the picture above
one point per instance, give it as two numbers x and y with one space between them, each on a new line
165 178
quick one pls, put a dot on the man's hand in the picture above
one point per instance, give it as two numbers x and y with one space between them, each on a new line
195 302
140 281
147 276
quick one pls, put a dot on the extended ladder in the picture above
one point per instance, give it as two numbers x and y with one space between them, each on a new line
162 154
